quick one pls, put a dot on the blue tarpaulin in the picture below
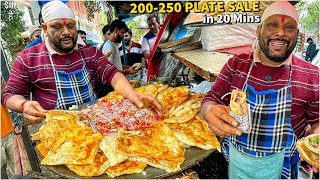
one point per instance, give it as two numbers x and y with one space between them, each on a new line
42 2
127 19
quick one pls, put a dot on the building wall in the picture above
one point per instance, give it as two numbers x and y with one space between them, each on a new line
24 7
28 17
91 28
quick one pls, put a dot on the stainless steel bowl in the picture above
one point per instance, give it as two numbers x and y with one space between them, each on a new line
135 83
163 80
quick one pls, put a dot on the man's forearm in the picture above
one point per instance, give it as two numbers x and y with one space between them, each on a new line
14 103
146 54
143 62
124 71
120 84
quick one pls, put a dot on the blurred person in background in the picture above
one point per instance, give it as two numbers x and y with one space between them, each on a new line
82 34
34 33
133 51
149 39
40 38
106 34
311 50
111 47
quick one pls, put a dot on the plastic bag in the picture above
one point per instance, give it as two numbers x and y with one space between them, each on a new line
227 36
202 88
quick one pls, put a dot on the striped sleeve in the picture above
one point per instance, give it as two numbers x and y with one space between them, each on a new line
312 112
312 107
105 69
107 49
145 45
19 81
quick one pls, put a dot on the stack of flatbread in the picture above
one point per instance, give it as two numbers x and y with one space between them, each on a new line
65 139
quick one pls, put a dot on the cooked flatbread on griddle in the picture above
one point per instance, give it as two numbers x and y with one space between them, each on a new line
98 167
184 112
43 148
171 98
108 146
52 129
114 95
66 115
126 167
169 165
193 95
152 89
155 143
77 146
195 132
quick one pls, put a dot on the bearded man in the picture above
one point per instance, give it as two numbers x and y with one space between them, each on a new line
132 51
110 48
59 71
149 39
283 93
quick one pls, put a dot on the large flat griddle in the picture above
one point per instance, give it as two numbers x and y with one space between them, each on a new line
193 156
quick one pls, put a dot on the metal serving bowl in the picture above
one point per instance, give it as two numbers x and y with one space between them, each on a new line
135 83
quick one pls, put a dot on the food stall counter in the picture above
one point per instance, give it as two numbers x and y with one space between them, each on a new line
206 64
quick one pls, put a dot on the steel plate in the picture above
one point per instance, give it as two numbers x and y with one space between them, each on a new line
193 156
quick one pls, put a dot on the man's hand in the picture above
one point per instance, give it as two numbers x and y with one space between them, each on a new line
146 101
314 129
314 169
131 70
219 120
120 84
33 112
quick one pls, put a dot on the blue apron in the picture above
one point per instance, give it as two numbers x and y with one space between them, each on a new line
73 88
268 151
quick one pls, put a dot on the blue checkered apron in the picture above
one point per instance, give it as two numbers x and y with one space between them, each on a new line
271 132
73 88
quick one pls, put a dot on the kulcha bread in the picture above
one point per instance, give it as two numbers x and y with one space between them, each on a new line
238 102
108 146
307 155
74 146
155 145
126 167
195 132
97 168
312 143
171 98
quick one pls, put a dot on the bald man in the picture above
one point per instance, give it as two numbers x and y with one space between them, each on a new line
282 92
59 71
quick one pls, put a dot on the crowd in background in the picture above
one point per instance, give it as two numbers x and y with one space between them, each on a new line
66 66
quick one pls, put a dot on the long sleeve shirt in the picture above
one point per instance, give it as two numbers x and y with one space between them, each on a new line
32 72
311 52
111 51
304 80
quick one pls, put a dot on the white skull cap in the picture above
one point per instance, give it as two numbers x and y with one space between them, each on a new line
280 7
33 28
56 10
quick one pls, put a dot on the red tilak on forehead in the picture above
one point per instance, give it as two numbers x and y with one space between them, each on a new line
64 22
282 19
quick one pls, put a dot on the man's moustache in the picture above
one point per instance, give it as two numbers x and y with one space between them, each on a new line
67 37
